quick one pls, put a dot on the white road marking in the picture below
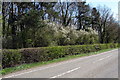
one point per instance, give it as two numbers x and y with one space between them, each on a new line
66 72
38 69
107 56
101 59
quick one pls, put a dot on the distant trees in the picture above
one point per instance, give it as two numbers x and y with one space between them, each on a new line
24 24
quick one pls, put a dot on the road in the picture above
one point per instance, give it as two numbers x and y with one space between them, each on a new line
103 65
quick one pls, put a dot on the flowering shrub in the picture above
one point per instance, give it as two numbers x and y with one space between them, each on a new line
70 36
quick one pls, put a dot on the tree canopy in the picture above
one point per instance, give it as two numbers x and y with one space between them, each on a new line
39 24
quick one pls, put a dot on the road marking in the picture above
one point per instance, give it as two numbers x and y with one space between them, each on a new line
66 72
101 59
61 63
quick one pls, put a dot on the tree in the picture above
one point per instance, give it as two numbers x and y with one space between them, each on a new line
95 16
82 17
66 11
28 24
104 22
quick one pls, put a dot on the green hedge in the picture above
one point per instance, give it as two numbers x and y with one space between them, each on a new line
13 58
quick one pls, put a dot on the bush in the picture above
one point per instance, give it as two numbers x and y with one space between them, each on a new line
7 42
11 58
30 55
44 37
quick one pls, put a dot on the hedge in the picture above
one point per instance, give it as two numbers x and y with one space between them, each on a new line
17 57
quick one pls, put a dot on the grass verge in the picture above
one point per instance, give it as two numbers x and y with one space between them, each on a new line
27 66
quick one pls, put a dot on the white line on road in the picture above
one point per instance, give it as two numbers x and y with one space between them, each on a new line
61 63
66 72
101 59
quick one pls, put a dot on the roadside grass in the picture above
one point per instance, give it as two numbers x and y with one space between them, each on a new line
27 66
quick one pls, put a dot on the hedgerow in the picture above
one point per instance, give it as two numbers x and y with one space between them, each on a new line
16 57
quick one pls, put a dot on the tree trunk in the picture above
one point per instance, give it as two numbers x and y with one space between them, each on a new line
3 18
13 27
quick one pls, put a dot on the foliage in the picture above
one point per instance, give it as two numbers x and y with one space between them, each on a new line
30 55
11 58
31 65
41 24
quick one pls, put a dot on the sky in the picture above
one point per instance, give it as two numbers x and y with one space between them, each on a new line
112 4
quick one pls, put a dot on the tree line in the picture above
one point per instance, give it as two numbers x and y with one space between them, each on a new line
22 20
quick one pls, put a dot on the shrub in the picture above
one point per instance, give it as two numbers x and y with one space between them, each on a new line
11 58
30 55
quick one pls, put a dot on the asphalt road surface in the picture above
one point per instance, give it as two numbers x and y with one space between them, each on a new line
103 65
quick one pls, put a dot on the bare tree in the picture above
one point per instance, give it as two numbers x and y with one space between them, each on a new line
66 11
105 15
